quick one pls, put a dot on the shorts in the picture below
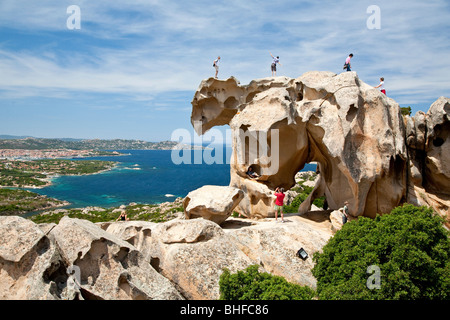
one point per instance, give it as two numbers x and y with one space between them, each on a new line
278 208
384 91
273 67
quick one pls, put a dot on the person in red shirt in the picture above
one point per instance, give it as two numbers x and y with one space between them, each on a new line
279 193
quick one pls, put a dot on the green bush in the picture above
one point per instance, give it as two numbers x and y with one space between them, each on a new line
406 111
410 246
253 285
303 194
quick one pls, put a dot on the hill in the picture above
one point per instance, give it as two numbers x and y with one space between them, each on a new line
30 143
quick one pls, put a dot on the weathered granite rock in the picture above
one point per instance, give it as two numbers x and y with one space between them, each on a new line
274 245
110 267
354 133
437 164
336 219
214 203
144 260
192 254
29 261
428 140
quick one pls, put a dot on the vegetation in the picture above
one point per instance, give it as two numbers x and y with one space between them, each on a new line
406 111
409 245
14 202
253 285
145 212
303 192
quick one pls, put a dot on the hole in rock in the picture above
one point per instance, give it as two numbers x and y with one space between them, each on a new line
251 96
438 142
154 262
256 168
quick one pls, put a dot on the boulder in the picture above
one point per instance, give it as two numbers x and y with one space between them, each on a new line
336 219
214 203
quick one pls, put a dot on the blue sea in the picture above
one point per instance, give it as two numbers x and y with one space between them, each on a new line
141 176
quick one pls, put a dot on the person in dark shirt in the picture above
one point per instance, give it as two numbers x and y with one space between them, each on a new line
252 174
123 216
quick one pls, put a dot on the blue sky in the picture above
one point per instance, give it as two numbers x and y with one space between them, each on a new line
132 68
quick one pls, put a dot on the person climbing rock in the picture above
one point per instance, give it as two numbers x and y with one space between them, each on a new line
381 86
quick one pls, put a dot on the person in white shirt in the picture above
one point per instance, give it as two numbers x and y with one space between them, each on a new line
216 66
381 86
273 67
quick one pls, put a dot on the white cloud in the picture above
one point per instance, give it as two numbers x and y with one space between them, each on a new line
142 47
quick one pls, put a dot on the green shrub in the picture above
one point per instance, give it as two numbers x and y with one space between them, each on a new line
410 246
253 285
406 111
303 194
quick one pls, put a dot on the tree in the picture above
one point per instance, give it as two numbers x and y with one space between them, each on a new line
406 111
253 285
410 246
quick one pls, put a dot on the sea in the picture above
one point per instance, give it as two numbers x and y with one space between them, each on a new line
144 177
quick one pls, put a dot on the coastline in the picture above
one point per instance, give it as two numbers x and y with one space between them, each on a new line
49 178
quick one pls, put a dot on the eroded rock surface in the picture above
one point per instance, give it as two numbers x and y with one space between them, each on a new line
214 203
355 133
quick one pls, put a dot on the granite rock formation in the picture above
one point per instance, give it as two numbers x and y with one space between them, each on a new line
178 259
356 134
428 141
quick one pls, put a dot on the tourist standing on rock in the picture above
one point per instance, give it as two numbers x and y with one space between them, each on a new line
347 64
273 66
381 86
279 193
216 66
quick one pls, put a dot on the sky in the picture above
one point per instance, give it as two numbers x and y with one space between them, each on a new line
129 69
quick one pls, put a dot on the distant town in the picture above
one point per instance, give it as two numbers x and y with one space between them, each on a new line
23 154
